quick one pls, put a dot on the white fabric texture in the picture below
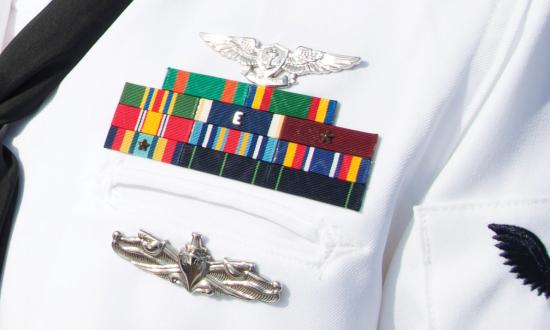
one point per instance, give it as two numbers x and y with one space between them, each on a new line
458 92
14 15
5 10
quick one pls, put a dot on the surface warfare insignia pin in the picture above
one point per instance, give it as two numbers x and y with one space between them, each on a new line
275 65
526 254
194 269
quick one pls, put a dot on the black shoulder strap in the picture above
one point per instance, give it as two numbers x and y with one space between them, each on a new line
33 65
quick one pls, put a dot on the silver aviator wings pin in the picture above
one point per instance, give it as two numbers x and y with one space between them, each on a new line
275 65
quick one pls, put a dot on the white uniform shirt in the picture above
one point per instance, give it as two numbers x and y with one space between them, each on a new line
5 10
457 90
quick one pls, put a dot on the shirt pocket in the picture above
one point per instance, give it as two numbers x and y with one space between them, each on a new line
467 281
153 195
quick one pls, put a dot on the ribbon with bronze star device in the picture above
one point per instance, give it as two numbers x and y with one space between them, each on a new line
306 132
309 159
256 97
269 175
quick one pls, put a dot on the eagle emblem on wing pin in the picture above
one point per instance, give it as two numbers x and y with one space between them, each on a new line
273 64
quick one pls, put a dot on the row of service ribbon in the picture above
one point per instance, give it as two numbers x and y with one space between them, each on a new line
260 135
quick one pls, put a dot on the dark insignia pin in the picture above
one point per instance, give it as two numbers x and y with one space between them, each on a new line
526 254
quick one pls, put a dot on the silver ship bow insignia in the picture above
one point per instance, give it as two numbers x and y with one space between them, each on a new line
193 267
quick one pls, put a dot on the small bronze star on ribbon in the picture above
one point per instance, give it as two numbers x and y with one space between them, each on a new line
326 136
143 145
